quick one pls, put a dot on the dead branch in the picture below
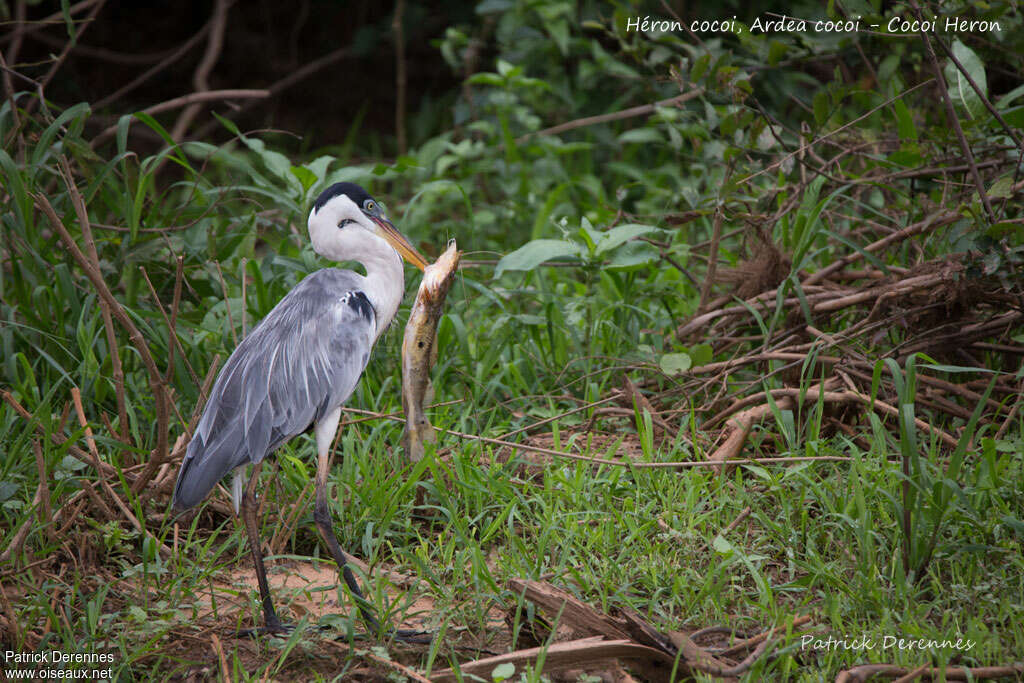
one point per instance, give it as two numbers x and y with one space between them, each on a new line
201 78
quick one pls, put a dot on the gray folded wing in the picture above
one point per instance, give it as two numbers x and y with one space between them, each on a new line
302 361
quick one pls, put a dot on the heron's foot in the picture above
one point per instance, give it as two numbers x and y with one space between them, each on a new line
411 635
401 635
275 628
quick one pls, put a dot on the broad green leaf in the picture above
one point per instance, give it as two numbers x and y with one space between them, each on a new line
675 363
532 254
633 254
503 672
620 234
1002 188
960 88
642 135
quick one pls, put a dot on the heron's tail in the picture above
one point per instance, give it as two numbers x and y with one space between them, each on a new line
205 464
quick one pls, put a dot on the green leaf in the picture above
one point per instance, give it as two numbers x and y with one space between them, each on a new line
633 254
1002 188
642 135
722 546
620 234
904 121
532 254
675 363
700 67
503 672
305 176
960 89
7 489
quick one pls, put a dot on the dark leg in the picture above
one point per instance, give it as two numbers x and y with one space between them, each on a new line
324 524
248 509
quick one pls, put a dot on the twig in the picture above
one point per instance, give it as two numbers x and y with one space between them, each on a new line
12 620
642 110
866 671
400 77
201 78
742 425
76 396
746 644
174 56
709 277
218 649
186 100
92 271
841 128
744 513
391 664
954 120
279 86
45 511
45 80
14 547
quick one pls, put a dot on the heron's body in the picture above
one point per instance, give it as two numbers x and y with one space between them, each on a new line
293 371
300 364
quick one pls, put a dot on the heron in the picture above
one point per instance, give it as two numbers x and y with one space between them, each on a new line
297 368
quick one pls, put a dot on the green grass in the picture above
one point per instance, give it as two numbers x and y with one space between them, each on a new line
826 538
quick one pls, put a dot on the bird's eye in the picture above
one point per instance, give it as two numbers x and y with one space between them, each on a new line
369 205
344 222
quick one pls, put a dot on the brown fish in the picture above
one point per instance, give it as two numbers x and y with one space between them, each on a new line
419 350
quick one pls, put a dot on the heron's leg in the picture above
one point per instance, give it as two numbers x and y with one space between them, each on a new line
324 524
248 510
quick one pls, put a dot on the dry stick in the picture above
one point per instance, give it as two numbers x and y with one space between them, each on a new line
742 425
557 657
227 303
76 396
201 78
45 511
811 394
15 117
943 436
642 110
45 80
954 120
743 645
744 513
28 28
117 370
219 651
172 333
866 671
1013 414
18 35
21 534
177 54
709 277
860 118
92 271
400 77
12 621
913 675
930 223
185 100
640 465
283 84
390 664
984 100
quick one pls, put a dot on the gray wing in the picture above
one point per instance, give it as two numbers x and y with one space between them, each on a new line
299 363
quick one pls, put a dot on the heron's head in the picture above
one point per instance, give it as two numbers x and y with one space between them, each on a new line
347 224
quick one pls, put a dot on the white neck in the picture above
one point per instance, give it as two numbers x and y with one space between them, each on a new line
384 283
